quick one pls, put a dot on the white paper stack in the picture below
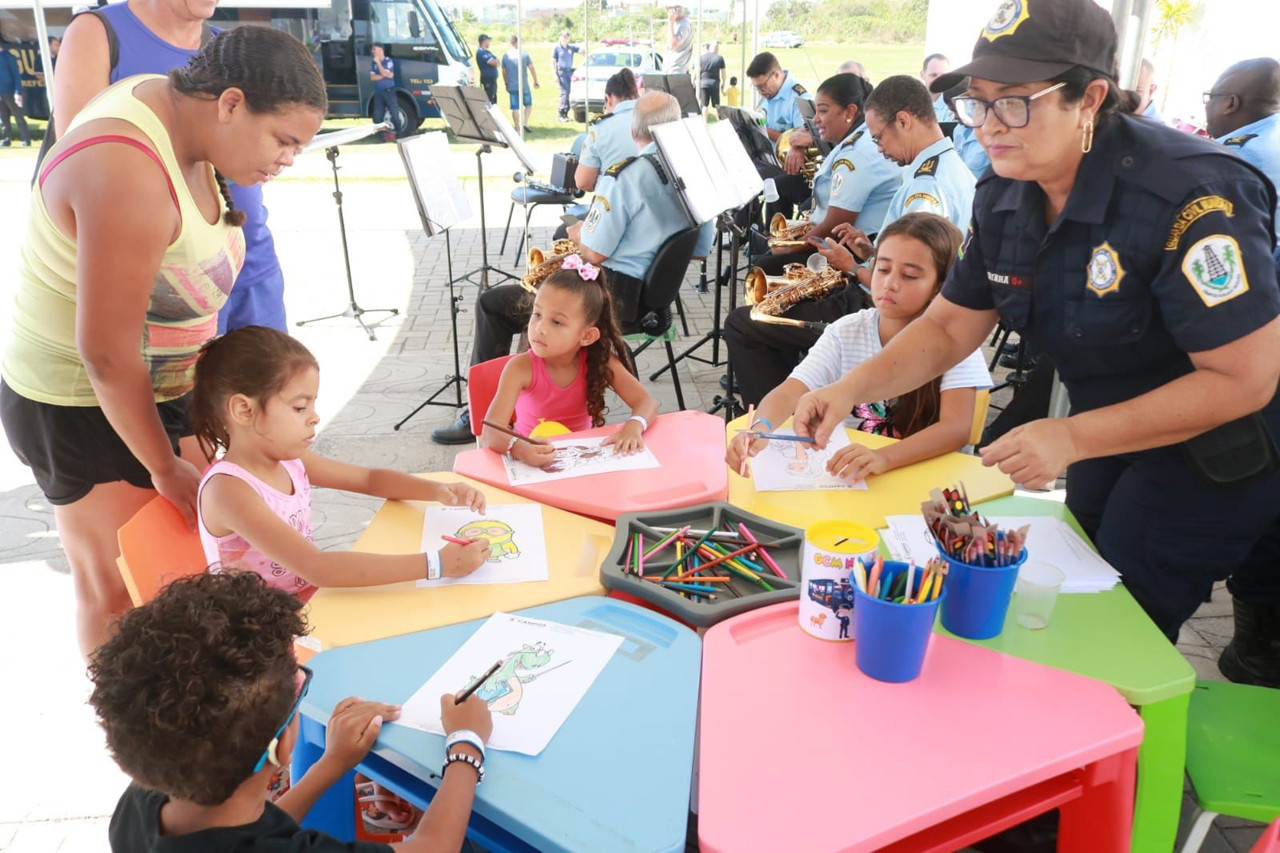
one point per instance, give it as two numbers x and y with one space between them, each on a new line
1048 541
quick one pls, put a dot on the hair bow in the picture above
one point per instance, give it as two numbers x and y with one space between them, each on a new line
586 271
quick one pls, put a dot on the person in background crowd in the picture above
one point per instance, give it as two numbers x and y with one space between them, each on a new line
516 69
679 41
935 65
562 57
733 95
382 71
853 66
712 74
964 137
1243 113
11 97
488 64
1145 87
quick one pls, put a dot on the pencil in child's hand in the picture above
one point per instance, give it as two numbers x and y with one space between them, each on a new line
475 685
510 432
456 541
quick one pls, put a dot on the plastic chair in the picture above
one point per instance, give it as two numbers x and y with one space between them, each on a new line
1270 840
980 406
1233 752
660 290
530 197
482 384
156 547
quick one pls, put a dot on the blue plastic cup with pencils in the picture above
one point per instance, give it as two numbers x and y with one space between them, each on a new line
978 595
893 621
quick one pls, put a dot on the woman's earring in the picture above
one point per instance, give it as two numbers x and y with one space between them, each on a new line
1086 144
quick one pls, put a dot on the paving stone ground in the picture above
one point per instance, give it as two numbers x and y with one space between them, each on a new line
60 786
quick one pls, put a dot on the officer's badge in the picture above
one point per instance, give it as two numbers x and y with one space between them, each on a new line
593 219
1104 272
1008 17
837 181
1215 269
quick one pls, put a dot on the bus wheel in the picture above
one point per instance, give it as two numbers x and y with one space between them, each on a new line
409 119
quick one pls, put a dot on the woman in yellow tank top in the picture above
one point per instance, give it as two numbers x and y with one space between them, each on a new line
132 247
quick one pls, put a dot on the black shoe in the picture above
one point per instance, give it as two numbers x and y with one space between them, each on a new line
458 432
1253 655
5 144
1009 348
1010 361
724 384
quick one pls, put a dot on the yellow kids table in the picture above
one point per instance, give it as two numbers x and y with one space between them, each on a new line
894 493
342 617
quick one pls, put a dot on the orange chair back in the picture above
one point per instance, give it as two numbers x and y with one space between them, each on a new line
156 547
482 385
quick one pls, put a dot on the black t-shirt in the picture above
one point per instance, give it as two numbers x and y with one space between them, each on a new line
712 63
135 828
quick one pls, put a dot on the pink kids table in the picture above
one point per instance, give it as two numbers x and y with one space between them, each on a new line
689 447
801 751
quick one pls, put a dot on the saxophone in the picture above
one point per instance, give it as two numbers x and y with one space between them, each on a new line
543 264
759 285
813 285
787 232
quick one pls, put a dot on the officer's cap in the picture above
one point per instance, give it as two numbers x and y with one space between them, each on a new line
1030 40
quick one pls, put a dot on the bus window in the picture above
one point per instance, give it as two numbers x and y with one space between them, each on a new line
400 27
449 33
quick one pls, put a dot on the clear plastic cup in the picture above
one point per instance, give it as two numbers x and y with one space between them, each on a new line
816 262
1035 594
770 190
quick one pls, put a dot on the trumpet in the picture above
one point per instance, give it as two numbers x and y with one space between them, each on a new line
543 264
783 231
759 285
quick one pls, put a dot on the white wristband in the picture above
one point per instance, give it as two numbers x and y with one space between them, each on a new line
644 424
433 565
511 444
464 736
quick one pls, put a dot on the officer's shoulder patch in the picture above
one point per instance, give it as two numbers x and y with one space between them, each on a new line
1194 209
656 162
1215 270
927 198
799 90
593 217
602 118
1105 272
1239 141
843 161
928 167
616 169
856 137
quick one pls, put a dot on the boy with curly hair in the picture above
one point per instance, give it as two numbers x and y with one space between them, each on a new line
198 693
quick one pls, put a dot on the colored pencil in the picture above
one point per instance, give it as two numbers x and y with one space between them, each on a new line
663 543
773 436
456 541
510 432
751 421
475 685
742 528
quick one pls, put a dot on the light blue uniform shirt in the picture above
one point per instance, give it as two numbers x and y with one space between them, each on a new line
941 111
856 177
609 139
780 111
937 181
1153 113
970 150
633 214
1259 145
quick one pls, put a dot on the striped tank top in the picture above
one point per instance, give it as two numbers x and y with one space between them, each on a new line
42 361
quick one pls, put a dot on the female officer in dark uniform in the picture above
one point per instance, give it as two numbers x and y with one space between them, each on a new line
1138 259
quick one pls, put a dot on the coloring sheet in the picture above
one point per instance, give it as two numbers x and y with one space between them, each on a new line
794 466
546 669
578 457
517 543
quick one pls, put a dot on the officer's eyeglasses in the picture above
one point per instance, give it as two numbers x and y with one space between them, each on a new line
760 87
1209 96
302 692
1013 111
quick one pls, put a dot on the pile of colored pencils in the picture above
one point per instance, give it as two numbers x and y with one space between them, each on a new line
965 535
706 561
906 587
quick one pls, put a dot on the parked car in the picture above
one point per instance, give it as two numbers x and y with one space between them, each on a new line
783 38
586 88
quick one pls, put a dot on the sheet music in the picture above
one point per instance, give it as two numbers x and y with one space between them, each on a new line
738 168
442 202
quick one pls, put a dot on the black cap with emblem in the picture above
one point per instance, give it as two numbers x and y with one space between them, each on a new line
1031 40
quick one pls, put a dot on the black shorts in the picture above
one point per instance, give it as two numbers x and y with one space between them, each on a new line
71 449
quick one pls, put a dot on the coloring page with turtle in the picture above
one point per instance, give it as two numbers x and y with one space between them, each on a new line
579 457
546 668
517 541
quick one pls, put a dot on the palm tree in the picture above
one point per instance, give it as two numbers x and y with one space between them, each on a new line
1172 17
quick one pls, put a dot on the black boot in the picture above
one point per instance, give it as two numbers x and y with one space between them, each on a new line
1253 655
458 432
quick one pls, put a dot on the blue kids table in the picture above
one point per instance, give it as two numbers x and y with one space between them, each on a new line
616 777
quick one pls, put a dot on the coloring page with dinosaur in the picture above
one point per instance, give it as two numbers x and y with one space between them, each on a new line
546 669
517 541
578 457
794 466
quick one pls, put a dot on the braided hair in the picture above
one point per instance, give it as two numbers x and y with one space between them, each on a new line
272 68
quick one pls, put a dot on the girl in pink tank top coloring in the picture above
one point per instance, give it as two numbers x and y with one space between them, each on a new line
255 399
575 354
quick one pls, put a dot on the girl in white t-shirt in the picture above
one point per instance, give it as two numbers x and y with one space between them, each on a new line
913 255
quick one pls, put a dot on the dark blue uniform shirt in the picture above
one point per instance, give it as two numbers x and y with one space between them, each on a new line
1163 249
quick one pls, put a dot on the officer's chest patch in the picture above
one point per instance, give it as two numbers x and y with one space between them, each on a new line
837 181
1105 272
1215 270
593 218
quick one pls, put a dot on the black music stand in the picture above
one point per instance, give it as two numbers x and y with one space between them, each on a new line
426 161
330 142
679 86
466 111
807 112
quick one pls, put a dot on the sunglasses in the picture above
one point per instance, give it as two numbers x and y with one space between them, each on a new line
275 740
